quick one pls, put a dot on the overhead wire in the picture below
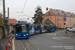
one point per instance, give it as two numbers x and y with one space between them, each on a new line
24 8
24 5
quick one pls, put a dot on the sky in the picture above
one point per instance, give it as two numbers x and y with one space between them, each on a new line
16 7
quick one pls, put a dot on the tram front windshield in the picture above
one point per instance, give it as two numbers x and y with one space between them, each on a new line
21 28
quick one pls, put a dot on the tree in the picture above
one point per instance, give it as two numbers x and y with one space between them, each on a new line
38 15
1 20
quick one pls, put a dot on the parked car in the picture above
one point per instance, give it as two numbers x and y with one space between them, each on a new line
68 29
73 29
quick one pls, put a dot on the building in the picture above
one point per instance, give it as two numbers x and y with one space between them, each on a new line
1 20
52 15
11 24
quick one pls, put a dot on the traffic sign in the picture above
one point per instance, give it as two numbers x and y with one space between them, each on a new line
65 19
64 16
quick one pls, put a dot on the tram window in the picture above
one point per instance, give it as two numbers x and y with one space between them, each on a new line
31 27
37 28
45 27
53 27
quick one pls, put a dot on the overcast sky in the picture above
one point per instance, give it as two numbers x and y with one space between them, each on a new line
17 6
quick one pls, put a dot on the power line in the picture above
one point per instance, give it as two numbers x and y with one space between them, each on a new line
24 5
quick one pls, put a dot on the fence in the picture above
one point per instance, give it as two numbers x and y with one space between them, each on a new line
1 32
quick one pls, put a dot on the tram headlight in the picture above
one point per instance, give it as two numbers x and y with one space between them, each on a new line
26 34
16 34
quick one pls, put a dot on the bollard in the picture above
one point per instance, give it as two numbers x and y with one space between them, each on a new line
11 37
6 47
9 44
9 47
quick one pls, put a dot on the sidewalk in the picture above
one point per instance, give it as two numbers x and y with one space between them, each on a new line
4 42
68 34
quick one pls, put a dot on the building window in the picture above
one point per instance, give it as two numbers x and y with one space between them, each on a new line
50 17
45 17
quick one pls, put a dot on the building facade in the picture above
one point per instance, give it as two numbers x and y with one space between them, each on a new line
56 17
11 24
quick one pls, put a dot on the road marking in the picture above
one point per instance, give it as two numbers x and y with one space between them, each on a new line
13 44
55 33
22 45
52 34
58 38
55 38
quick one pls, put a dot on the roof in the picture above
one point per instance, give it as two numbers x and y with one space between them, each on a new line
12 21
61 13
47 21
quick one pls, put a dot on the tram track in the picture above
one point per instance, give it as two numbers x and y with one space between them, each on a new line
27 45
22 45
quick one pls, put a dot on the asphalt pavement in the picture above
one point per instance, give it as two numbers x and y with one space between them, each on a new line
46 41
66 34
4 42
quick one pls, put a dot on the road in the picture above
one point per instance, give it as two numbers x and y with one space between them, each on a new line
46 41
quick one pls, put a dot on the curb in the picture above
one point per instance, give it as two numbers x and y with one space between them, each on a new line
13 44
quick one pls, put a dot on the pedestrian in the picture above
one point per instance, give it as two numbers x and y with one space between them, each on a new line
13 31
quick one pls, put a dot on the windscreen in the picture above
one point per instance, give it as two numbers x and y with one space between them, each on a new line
21 28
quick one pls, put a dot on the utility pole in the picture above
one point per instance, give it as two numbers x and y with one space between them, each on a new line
8 19
57 20
70 21
4 16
